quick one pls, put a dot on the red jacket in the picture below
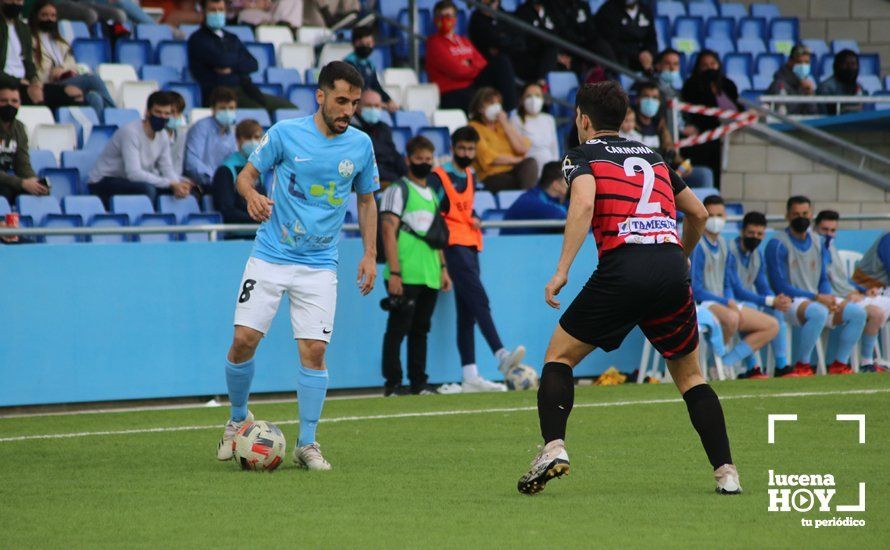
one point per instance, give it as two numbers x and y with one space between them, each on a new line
452 63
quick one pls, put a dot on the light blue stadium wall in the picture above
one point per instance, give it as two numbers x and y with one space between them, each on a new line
108 322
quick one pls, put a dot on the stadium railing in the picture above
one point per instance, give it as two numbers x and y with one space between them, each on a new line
837 100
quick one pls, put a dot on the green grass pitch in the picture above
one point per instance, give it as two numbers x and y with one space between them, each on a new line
441 471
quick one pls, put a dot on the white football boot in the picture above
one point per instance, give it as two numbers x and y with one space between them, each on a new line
551 462
511 359
727 480
479 384
226 448
309 458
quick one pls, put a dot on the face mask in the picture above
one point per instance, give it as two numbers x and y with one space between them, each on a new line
216 20
176 123
48 26
11 11
371 115
799 225
671 78
533 104
462 162
226 117
157 123
8 113
492 111
248 147
445 24
751 243
649 106
847 76
715 224
363 51
801 70
422 170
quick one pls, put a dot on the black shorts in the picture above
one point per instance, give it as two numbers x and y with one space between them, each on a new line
637 285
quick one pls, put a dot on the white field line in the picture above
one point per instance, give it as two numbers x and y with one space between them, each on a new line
166 429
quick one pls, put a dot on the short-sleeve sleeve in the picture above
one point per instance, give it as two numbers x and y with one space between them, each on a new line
268 154
677 183
392 200
367 180
575 164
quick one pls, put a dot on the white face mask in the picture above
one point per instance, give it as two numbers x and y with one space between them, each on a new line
715 224
533 104
492 111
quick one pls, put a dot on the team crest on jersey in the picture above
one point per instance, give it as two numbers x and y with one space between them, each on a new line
346 168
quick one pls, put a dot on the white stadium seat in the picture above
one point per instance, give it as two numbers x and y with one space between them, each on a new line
199 113
55 138
422 97
400 77
449 118
296 56
334 51
275 35
116 74
313 35
134 95
32 116
395 92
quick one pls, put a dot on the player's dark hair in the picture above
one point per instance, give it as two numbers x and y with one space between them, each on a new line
247 128
361 32
796 199
701 55
604 103
161 99
9 85
482 96
419 143
753 218
465 133
664 53
339 70
442 5
551 172
222 94
827 216
713 199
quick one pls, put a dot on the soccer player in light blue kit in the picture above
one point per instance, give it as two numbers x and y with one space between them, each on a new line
318 160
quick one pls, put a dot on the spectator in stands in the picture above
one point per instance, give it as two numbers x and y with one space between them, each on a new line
457 67
360 58
545 201
502 160
219 58
628 26
844 81
177 130
333 14
55 63
17 177
535 57
490 37
667 68
181 12
414 272
137 160
873 270
795 78
539 127
212 139
390 163
272 12
628 129
577 24
226 199
796 268
89 13
454 184
877 307
712 289
708 86
135 14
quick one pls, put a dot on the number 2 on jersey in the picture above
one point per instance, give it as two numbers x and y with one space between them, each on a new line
630 166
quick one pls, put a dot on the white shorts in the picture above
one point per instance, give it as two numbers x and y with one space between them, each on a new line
708 303
312 293
881 302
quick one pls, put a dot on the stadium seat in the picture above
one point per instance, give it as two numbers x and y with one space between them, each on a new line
4 206
735 10
284 114
108 220
98 138
259 115
671 9
37 207
41 160
483 201
784 28
399 77
162 74
312 35
381 58
55 138
83 119
752 46
400 137
422 97
265 57
311 76
277 35
738 63
878 107
200 113
869 64
662 31
82 161
190 91
243 32
32 116
689 27
134 95
722 46
686 46
742 81
207 203
767 64
85 206
283 76
493 215
414 120
704 9
720 27
870 83
181 208
296 56
395 93
155 33
119 117
751 27
826 66
58 221
201 219
271 89
781 47
761 81
390 8
117 74
767 11
333 51
440 138
72 30
63 182
303 97
838 45
508 197
449 118
173 53
134 206
156 220
135 53
816 46
91 51
188 30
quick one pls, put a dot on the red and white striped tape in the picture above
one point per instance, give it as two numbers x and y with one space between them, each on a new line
741 119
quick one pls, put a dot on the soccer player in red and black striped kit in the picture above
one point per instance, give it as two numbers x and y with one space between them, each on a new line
630 197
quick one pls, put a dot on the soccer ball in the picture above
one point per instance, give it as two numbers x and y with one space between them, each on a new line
522 377
259 446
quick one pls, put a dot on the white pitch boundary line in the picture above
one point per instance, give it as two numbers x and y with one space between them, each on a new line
166 429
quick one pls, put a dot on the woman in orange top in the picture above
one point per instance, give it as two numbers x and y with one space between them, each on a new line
501 161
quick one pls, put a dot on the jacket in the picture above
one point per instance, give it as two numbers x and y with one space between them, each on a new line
24 34
14 156
207 52
390 163
452 63
785 79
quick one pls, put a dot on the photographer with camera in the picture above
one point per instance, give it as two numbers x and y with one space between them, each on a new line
413 234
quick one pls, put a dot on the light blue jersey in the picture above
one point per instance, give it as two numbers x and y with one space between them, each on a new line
314 175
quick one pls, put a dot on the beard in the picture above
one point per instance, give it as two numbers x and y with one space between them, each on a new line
331 122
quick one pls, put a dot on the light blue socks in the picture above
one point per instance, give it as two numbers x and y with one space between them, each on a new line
854 319
741 351
816 315
867 351
312 385
780 342
238 378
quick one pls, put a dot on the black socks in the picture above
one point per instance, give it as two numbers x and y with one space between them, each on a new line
556 395
707 419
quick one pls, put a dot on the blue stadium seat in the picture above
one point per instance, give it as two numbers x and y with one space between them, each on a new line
108 220
767 11
751 27
662 31
381 58
768 64
414 120
826 66
201 219
99 137
259 115
869 64
64 181
686 46
72 30
738 63
493 215
720 27
154 33
672 9
207 203
484 201
156 220
781 47
285 77
85 206
134 206
62 220
735 10
181 208
722 46
162 74
82 161
284 114
172 53
265 57
870 83
243 32
188 30
439 136
784 28
742 81
4 206
133 52
689 27
303 97
560 82
271 89
752 46
400 137
703 9
816 46
121 117
41 160
37 207
78 116
190 91
91 51
390 8
878 107
838 45
508 197
762 81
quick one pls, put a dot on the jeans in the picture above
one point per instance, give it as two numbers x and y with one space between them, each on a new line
94 91
472 302
106 187
132 9
414 322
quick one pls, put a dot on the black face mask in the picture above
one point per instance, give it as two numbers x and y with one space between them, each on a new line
8 113
11 11
421 170
363 51
847 76
799 225
157 123
48 26
462 162
751 243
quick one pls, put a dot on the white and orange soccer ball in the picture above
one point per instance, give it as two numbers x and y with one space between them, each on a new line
259 446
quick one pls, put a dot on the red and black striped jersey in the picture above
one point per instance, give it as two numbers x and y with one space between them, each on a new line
635 192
